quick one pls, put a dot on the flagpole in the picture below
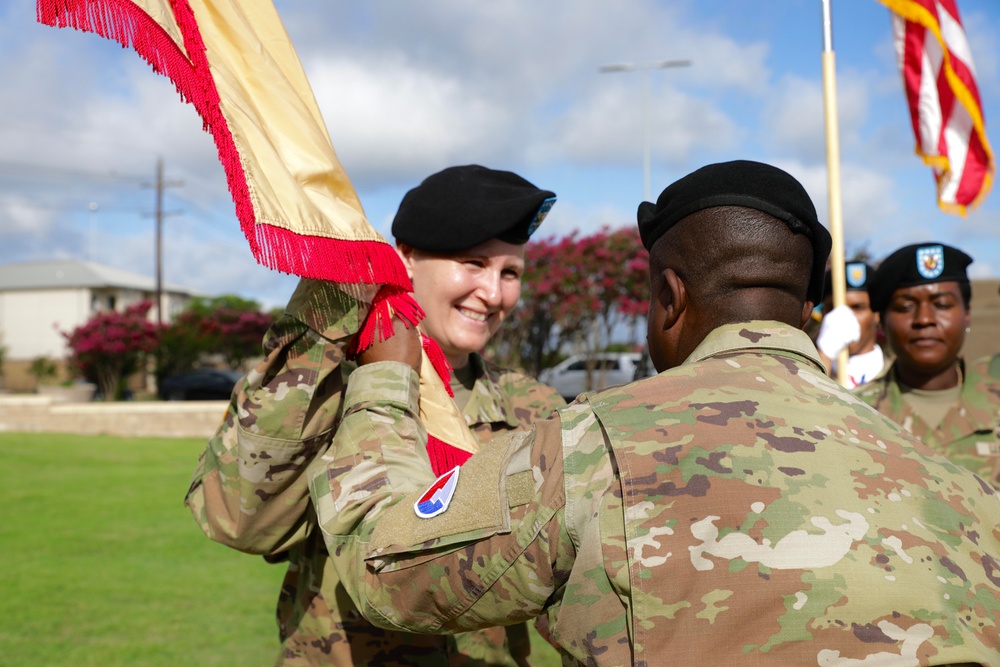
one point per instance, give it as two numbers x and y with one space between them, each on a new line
833 176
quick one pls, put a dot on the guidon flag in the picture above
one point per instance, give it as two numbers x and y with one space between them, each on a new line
234 62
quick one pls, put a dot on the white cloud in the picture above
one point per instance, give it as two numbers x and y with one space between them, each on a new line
567 217
391 118
869 209
518 81
794 114
608 127
22 216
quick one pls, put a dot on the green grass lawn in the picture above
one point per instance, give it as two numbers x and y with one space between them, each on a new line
101 565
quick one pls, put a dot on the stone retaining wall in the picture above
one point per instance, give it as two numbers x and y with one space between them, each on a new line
180 419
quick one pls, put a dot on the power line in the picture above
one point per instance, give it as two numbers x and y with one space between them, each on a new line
52 172
9 201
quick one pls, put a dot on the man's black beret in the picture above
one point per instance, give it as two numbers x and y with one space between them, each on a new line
741 183
917 264
856 277
460 207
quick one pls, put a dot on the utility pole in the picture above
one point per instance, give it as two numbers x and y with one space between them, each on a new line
160 185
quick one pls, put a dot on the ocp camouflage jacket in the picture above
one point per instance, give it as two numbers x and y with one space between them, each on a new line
969 434
250 489
741 508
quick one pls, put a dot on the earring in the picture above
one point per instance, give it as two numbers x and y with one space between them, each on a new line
968 329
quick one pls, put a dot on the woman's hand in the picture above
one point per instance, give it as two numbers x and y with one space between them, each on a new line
403 345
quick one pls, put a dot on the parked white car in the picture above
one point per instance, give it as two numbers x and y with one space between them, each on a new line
569 377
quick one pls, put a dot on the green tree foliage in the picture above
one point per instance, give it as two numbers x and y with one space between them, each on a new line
43 368
228 326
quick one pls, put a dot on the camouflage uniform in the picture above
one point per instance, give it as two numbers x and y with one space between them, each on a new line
969 434
739 509
250 489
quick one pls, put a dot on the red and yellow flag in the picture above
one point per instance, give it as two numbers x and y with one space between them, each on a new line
233 60
947 112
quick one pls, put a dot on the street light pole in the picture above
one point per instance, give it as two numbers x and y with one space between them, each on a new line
92 242
643 69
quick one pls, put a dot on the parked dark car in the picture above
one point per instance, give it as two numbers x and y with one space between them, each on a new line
204 384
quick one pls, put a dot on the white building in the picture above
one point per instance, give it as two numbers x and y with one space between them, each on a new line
39 300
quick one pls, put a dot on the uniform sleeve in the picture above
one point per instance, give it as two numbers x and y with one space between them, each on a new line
531 399
250 488
495 555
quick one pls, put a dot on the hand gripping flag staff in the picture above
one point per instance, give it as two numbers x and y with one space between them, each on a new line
233 60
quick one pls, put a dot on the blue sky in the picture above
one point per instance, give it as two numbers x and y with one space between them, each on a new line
409 88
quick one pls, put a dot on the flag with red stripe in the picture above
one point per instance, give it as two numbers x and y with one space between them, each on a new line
945 107
233 61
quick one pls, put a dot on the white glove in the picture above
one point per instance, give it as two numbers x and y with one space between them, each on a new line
839 329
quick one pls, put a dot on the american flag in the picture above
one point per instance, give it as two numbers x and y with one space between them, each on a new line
945 107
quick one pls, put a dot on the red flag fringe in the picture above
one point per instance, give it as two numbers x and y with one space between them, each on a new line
439 362
277 248
390 301
443 456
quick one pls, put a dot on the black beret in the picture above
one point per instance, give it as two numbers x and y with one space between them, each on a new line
741 183
856 275
460 207
917 264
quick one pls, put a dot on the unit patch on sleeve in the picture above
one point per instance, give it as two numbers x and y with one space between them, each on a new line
436 499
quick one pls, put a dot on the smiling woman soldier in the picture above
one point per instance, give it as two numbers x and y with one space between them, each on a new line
923 294
461 236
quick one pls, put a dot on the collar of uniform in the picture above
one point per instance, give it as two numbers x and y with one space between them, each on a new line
487 404
967 416
756 335
978 389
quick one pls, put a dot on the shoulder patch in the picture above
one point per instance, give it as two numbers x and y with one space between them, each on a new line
437 497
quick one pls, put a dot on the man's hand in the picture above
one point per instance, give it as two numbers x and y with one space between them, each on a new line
403 345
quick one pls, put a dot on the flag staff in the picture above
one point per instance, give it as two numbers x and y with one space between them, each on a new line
833 176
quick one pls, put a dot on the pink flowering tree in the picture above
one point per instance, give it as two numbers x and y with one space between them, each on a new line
112 345
234 333
618 284
577 291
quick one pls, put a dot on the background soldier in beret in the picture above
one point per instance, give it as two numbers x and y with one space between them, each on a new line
853 325
461 236
739 508
923 294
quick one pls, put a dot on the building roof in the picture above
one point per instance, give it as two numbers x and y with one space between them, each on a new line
75 273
